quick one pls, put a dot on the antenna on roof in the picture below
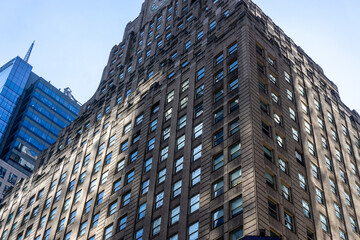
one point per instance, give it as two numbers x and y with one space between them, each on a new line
27 56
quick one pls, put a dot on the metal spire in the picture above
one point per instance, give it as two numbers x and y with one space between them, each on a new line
27 56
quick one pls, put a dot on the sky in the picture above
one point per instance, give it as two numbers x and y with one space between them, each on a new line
73 39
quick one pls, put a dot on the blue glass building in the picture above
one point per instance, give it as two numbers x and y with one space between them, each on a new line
13 78
32 113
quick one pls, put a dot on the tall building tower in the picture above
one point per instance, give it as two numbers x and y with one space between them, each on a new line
32 114
208 123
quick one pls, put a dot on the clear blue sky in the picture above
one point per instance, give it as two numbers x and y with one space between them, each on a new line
74 38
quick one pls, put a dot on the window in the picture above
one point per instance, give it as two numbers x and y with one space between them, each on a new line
343 176
194 203
354 224
324 142
234 104
302 182
133 156
180 142
200 35
159 200
148 164
177 188
162 175
151 144
96 167
218 95
338 211
198 130
234 127
283 165
95 220
236 206
308 127
334 135
72 217
306 209
156 226
286 191
52 215
199 91
168 114
130 177
315 171
232 48
82 177
275 97
100 151
329 163
71 185
108 232
280 140
112 208
292 114
141 212
330 117
104 177
100 198
218 188
264 106
47 203
295 134
235 177
200 73
321 123
338 155
218 161
266 128
319 195
195 176
185 85
63 176
289 221
261 67
77 196
198 110
197 152
232 67
47 233
212 25
139 119
268 154
82 228
68 236
88 206
139 234
66 204
219 58
57 195
164 153
348 199
273 209
218 218
311 148
277 118
270 179
170 96
145 186
127 128
122 223
179 164
324 223
124 146
235 151
182 122
126 199
117 185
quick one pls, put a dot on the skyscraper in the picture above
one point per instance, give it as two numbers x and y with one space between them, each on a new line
32 113
208 123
